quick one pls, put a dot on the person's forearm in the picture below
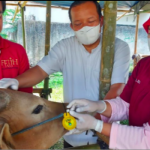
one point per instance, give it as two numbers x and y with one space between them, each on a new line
31 77
115 90
108 111
105 133
119 107
106 129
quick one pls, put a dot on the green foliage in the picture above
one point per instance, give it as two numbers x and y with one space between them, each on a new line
3 35
131 69
57 94
56 81
7 21
124 122
8 18
58 145
131 66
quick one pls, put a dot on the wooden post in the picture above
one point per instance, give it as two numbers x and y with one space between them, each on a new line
108 45
93 146
130 10
136 37
23 27
47 44
103 138
122 15
107 54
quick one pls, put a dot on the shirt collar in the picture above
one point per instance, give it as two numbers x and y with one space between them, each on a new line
98 48
3 43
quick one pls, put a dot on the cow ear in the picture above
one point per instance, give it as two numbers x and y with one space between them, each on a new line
6 140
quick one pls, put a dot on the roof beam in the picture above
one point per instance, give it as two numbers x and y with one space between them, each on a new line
139 6
18 9
121 16
64 8
130 10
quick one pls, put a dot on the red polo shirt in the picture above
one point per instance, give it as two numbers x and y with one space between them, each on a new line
137 93
14 61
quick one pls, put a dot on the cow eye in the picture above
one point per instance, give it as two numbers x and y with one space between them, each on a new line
38 109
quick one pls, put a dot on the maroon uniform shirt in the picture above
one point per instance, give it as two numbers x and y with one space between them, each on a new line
137 93
14 61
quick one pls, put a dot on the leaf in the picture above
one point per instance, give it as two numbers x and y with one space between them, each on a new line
3 35
8 16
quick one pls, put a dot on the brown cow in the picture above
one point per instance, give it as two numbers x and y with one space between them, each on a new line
20 110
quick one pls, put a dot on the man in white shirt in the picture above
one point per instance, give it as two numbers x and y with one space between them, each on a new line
78 58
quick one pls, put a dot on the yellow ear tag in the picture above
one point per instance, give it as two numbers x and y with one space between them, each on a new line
69 122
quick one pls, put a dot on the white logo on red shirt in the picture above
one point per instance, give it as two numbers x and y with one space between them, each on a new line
137 81
8 63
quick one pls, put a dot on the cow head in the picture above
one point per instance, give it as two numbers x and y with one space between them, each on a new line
20 110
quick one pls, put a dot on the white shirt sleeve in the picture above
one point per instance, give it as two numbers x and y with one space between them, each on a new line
121 62
54 61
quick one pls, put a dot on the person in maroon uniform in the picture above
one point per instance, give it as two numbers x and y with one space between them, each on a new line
132 104
13 57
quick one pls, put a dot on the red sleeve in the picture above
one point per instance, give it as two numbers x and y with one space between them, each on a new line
127 92
24 66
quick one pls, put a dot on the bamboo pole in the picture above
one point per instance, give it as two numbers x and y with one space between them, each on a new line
39 90
136 37
103 138
108 43
107 54
24 3
48 27
93 146
47 44
23 27
18 8
16 11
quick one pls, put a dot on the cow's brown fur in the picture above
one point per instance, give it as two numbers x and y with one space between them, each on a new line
16 114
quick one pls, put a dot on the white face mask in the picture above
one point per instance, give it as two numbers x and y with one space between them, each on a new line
88 35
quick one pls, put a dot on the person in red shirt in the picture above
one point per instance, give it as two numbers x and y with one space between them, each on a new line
13 57
133 104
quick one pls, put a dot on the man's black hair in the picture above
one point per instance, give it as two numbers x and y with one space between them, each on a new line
3 5
76 3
